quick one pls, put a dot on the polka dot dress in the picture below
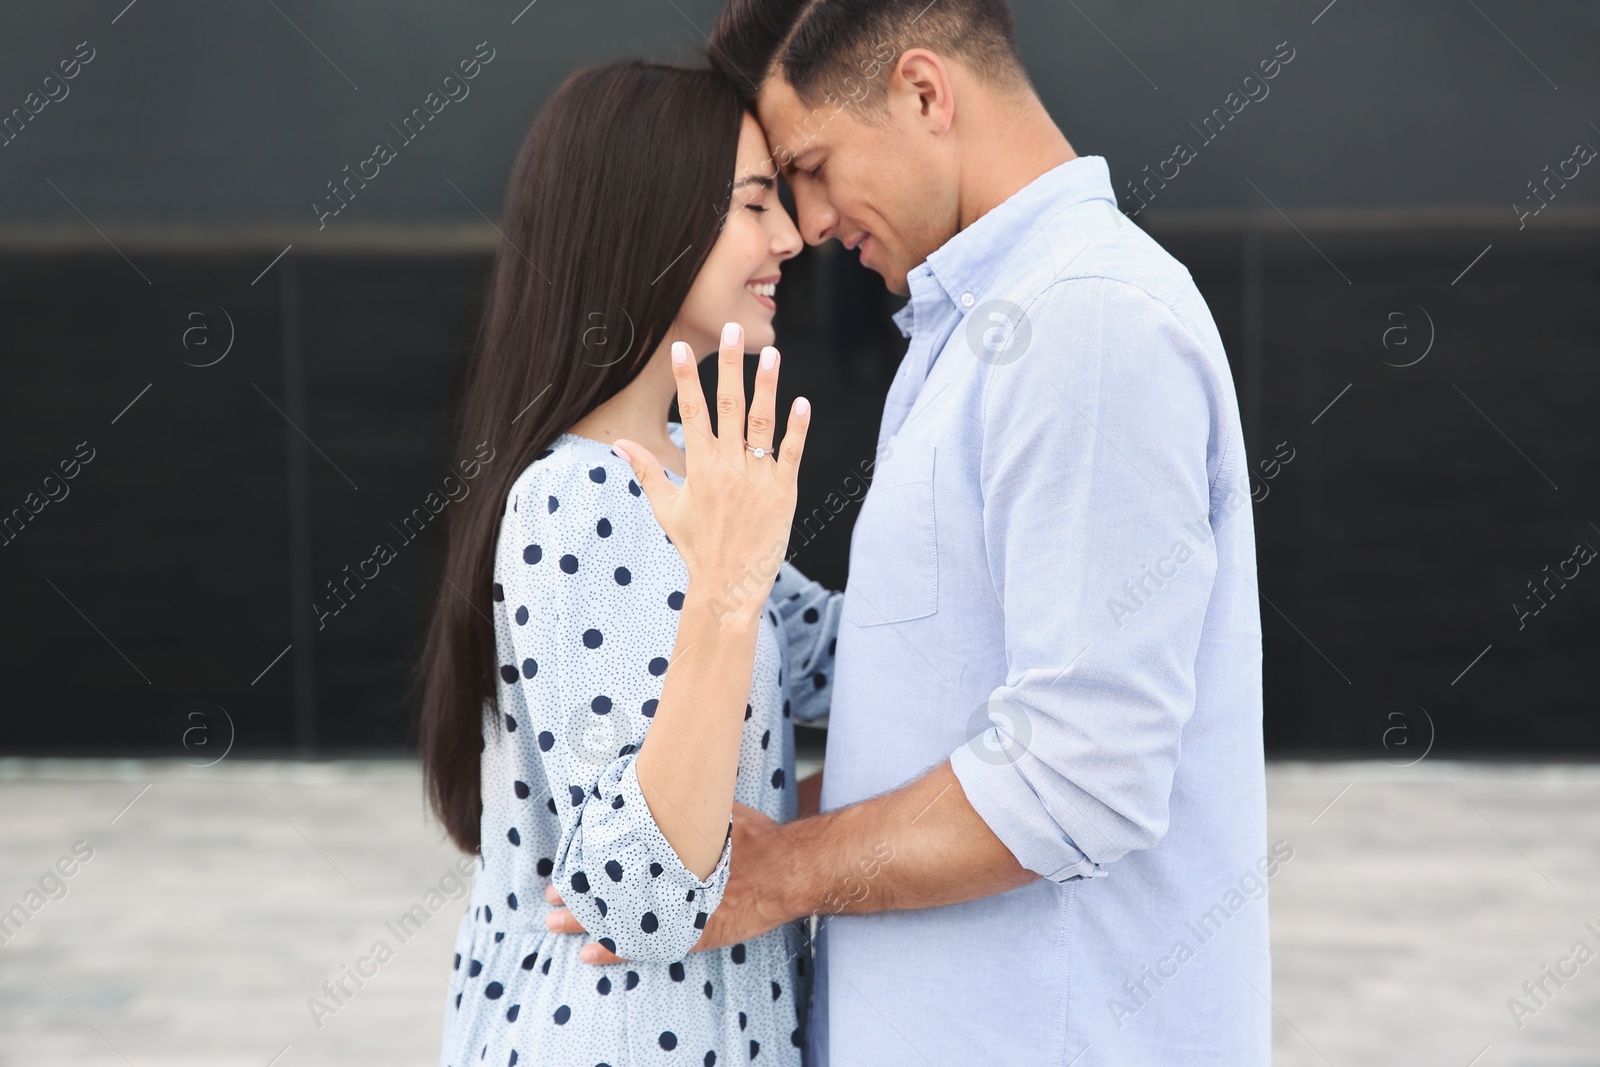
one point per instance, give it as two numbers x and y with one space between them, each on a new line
586 600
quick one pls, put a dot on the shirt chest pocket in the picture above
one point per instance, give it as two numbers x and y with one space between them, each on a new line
894 550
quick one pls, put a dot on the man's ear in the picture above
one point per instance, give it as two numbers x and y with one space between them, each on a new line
921 80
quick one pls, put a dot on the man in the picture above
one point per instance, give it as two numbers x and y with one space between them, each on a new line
1052 587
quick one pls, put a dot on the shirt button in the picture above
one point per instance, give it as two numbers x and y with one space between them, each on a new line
967 300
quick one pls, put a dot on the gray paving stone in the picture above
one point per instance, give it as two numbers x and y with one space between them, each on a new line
217 901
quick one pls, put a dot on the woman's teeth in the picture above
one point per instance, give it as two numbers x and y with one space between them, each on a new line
766 289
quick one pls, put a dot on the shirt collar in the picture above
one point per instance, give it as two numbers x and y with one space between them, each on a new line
906 315
969 261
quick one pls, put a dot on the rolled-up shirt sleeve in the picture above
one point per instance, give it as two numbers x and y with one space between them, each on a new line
1097 443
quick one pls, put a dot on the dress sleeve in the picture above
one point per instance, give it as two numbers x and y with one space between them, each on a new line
583 660
808 615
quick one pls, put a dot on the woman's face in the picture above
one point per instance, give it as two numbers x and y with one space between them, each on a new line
739 279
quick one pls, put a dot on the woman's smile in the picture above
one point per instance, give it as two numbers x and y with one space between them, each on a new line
764 290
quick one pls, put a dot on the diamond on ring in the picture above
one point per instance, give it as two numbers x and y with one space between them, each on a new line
757 452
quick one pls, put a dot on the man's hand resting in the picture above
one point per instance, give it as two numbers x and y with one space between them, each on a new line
751 904
920 846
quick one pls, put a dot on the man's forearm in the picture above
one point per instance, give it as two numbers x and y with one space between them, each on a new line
920 846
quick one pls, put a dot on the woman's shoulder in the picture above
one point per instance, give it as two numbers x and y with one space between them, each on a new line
572 460
571 464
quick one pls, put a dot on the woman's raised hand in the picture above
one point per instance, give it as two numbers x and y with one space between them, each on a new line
730 520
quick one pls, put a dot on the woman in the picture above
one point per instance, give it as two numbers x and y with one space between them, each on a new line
618 651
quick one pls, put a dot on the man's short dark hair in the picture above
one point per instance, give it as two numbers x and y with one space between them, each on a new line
846 48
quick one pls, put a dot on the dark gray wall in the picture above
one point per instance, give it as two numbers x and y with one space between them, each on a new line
179 574
206 112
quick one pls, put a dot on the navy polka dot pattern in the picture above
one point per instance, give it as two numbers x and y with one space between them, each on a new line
586 601
806 615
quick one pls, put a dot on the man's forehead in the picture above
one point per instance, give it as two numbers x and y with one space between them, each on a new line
777 105
783 117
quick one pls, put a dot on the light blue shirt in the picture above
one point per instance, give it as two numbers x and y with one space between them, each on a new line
1053 584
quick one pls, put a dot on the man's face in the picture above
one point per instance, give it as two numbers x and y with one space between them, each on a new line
885 191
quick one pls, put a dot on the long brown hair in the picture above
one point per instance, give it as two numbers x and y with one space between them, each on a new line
614 202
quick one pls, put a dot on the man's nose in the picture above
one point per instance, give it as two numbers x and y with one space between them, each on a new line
818 220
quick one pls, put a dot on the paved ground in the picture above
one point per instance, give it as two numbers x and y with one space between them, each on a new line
217 900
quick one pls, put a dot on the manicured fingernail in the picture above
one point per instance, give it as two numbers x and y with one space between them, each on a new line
588 953
801 405
622 454
680 353
551 922
769 356
730 335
